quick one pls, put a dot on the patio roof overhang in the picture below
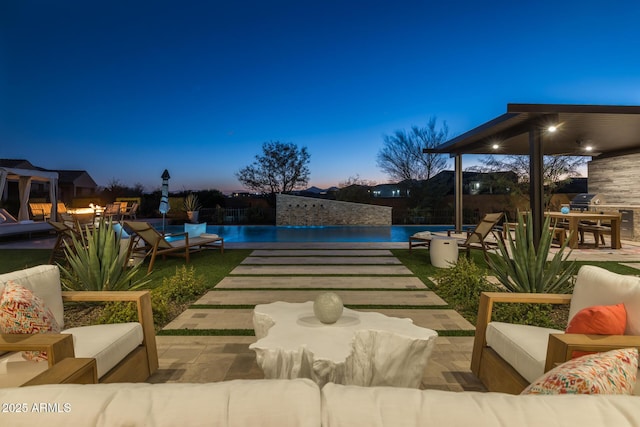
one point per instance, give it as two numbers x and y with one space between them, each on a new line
608 130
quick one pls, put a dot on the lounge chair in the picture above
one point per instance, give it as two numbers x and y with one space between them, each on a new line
475 239
112 211
65 234
9 225
156 244
130 212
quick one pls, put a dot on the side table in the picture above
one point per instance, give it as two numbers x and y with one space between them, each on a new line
443 251
72 370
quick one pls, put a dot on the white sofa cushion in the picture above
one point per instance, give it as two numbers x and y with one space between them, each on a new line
252 403
108 344
523 347
386 406
44 281
597 286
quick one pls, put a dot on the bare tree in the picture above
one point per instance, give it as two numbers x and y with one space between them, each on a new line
430 137
356 180
281 168
554 168
401 156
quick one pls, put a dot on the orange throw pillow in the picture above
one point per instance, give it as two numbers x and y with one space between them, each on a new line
599 320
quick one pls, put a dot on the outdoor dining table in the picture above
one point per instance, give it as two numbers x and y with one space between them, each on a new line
574 219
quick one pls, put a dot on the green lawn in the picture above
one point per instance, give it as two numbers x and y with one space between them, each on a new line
209 263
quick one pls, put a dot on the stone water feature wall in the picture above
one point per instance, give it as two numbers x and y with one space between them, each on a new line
298 210
616 180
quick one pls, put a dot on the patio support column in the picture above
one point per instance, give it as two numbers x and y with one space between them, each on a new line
457 191
24 188
536 182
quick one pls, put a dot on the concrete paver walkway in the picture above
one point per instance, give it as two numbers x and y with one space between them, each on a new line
296 276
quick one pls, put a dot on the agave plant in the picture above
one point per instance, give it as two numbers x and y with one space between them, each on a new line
191 202
95 262
521 267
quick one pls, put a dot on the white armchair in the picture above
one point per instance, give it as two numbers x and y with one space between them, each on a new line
124 352
508 357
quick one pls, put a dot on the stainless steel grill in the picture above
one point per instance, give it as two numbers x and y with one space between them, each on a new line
586 201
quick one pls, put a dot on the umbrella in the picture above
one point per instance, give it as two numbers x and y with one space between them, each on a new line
164 198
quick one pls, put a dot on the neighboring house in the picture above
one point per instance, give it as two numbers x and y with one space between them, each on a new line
391 191
477 182
473 183
75 183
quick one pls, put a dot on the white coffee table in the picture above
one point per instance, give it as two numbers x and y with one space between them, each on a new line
361 348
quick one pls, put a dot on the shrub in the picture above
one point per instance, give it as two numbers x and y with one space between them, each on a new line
460 286
544 315
183 287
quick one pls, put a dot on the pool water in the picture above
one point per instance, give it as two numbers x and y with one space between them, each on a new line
356 233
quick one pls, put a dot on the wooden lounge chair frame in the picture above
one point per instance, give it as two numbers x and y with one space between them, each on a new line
65 234
498 375
156 244
476 238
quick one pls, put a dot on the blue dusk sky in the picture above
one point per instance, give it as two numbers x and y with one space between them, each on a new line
126 89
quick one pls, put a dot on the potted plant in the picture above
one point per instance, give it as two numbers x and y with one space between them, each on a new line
192 206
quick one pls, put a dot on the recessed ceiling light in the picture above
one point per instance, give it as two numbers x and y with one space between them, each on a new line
552 128
495 146
588 148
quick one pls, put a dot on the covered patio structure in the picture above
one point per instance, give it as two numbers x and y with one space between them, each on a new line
537 130
25 177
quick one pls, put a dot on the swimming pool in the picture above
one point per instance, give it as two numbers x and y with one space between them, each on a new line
337 233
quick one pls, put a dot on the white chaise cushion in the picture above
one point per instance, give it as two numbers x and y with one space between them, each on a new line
108 344
523 347
597 286
44 281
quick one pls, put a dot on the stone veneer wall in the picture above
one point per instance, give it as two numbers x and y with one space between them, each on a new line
616 180
298 210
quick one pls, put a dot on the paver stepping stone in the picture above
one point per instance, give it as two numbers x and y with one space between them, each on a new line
443 319
430 318
337 282
348 297
370 270
192 318
322 252
320 260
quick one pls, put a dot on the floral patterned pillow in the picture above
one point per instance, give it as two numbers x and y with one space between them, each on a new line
22 312
611 372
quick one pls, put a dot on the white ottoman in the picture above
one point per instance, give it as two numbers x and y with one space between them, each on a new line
443 251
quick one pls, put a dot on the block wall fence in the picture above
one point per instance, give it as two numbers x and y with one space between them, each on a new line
298 210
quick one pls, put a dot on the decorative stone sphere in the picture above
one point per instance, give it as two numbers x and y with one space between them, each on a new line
564 210
328 307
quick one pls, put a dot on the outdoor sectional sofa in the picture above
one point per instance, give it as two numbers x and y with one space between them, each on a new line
301 403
